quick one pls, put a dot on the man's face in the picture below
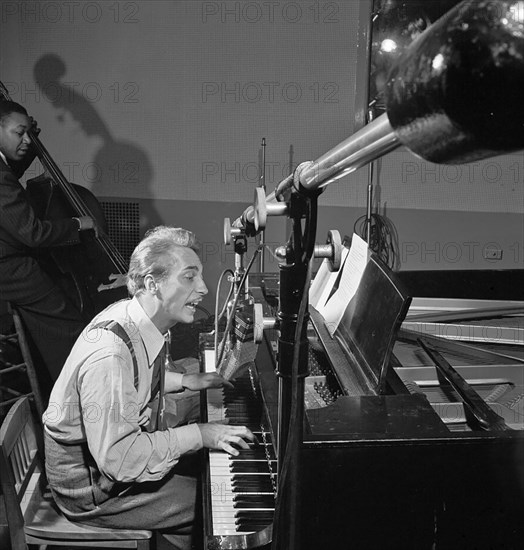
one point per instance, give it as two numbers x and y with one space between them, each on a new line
14 141
182 289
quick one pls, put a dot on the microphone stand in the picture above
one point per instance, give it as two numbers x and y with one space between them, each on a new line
240 284
369 207
263 185
241 291
292 367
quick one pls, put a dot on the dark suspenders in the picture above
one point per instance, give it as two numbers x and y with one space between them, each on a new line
117 329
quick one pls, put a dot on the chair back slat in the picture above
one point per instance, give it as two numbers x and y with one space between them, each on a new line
25 447
25 496
18 464
23 453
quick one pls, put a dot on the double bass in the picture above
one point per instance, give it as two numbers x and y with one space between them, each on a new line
91 273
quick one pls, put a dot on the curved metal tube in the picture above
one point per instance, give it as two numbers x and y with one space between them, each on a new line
371 142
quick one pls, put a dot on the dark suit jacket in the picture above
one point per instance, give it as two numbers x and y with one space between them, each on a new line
21 234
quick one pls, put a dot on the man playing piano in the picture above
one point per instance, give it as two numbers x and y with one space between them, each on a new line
109 461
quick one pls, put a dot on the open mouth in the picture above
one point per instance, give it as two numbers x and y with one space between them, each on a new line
193 305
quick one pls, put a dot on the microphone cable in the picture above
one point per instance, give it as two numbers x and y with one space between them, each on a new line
383 238
229 323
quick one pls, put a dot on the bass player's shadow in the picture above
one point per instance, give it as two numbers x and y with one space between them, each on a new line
119 168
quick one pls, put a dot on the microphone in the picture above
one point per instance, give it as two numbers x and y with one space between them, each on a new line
246 222
454 96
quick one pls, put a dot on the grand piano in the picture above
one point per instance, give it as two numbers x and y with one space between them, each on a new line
409 463
388 432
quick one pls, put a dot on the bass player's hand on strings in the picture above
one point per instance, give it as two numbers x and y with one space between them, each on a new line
87 222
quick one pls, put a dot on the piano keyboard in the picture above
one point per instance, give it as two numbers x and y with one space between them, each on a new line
241 490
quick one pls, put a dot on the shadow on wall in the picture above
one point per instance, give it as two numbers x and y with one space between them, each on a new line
119 168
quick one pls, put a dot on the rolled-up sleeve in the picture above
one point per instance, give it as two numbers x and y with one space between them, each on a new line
111 410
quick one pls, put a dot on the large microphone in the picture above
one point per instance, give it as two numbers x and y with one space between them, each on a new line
453 96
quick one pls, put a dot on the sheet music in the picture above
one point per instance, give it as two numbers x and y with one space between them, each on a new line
323 282
340 287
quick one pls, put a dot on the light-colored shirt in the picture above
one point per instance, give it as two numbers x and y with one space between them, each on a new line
95 400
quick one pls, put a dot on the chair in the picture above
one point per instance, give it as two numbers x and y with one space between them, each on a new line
13 345
32 515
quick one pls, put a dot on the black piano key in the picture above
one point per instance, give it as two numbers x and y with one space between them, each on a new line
264 518
244 466
239 480
254 454
252 490
267 488
263 485
254 516
244 514
251 477
249 527
261 520
246 505
263 501
240 467
253 525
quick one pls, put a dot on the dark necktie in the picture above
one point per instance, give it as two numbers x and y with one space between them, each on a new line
157 384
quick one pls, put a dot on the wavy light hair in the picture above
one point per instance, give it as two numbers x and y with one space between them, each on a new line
156 254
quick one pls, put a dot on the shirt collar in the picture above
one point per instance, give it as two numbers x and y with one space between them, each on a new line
2 156
153 339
